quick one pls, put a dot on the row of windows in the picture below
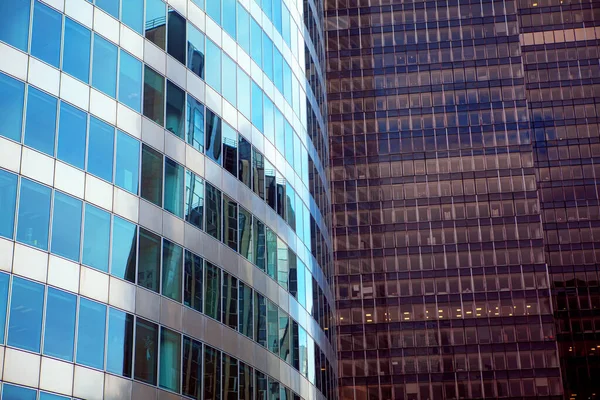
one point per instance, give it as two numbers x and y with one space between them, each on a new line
550 55
82 232
62 325
13 392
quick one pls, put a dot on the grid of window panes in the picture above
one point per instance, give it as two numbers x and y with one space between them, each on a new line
441 276
561 45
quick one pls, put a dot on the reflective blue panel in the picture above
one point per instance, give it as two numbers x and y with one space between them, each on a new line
130 81
96 237
8 202
128 163
14 28
173 201
59 328
176 43
175 110
287 82
124 245
229 80
267 7
199 3
213 65
213 9
100 149
195 50
257 106
286 25
280 132
194 200
172 270
76 50
72 132
66 226
154 96
12 392
156 20
26 307
194 128
90 333
229 20
110 6
11 104
119 343
104 67
276 18
213 136
243 26
40 125
269 119
52 396
4 280
267 56
132 14
243 93
278 69
34 214
45 35
256 43
289 141
170 360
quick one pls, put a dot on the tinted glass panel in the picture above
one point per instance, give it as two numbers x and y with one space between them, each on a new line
128 163
110 6
257 107
51 396
66 226
15 28
212 291
259 243
213 136
213 212
245 161
119 343
11 392
229 20
195 123
244 100
271 253
104 67
194 200
282 264
175 110
193 281
229 79
195 50
273 390
293 276
230 378
90 333
149 264
154 95
243 26
130 81
212 374
8 203
172 270
146 346
261 386
270 186
213 64
4 280
72 133
26 307
124 249
258 173
272 326
11 123
230 149
246 382
284 337
230 223
152 175
246 318
245 234
256 35
156 22
174 187
170 360
132 14
192 368
59 330
34 214
260 319
46 33
213 9
40 125
176 36
101 144
96 238
76 50
230 301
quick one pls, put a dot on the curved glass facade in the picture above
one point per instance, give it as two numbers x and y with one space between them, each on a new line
164 202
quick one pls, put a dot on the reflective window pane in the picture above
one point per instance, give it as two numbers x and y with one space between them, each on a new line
96 238
152 175
101 143
174 187
40 125
192 368
258 173
246 317
176 36
59 329
124 249
272 326
244 100
212 291
243 26
119 343
213 211
104 66
76 50
230 149
245 161
11 123
256 43
172 270
72 135
46 34
66 226
91 327
230 378
261 386
14 28
110 6
230 301
282 264
246 382
193 281
34 214
12 392
195 50
284 337
213 64
257 107
130 81
154 95
127 163
212 374
213 136
51 396
229 20
175 110
213 9
149 263
229 79
271 253
156 21
170 360
146 346
132 14
26 308
245 234
270 186
230 223
195 123
259 243
8 203
4 280
194 200
260 319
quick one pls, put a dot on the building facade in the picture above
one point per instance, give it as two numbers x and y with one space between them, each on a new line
464 148
164 202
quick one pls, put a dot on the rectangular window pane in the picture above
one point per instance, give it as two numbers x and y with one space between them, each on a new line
213 211
34 214
256 43
271 253
4 280
230 378
267 56
294 345
101 146
192 368
18 392
26 308
212 374
194 200
230 301
46 34
110 6
246 318
213 136
152 175
303 346
195 50
272 326
281 196
243 26
172 270
119 351
76 50
96 238
257 107
195 123
132 14
156 21
66 226
301 283
124 249
279 132
245 231
40 125
175 109
104 66
261 385
59 329
260 319
284 337
282 264
246 381
193 281
212 291
258 173
176 36
244 100
213 9
72 135
130 81
244 161
149 264
230 223
229 20
8 203
154 94
146 346
290 203
15 27
258 241
90 333
273 389
174 187
293 276
213 64
170 360
230 149
278 69
11 123
229 79
127 164
270 186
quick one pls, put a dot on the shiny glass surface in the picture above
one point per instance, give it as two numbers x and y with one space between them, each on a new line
192 368
154 94
175 110
15 28
46 34
91 327
11 123
76 50
170 360
156 22
194 129
8 203
119 343
146 349
72 135
151 175
96 238
132 14
40 122
148 274
172 270
194 200
195 50
25 318
104 66
66 226
176 46
59 326
193 281
130 81
124 249
34 214
12 392
174 187
212 291
213 64
127 163
101 147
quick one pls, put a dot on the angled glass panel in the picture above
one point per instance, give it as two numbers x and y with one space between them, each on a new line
257 107
194 200
303 346
256 35
91 328
273 390
175 121
34 214
271 253
267 56
52 396
230 301
287 82
246 318
25 321
245 161
192 368
119 343
272 326
246 247
146 349
11 102
195 50
295 350
213 9
244 100
130 81
59 328
212 291
174 175
243 27
213 65
149 263
170 360
193 279
12 392
301 282
104 66
268 118
124 249
76 50
194 129
230 378
172 270
213 136
290 205
212 374
230 149
278 69
246 382
154 95
213 211
4 282
8 203
259 243
156 22
152 175
132 14
284 337
199 3
282 264
261 385
260 319
258 173
127 165
230 223
14 28
110 6
66 226
40 125
281 206
101 146
176 36
72 135
229 20
229 79
96 238
280 132
46 34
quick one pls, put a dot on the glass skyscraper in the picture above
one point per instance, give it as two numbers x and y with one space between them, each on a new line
464 165
164 201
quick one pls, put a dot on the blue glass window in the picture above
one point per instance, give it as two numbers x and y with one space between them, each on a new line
124 248
101 149
15 27
243 93
267 7
90 333
152 175
195 50
194 128
12 392
96 237
173 187
66 226
59 331
40 125
132 14
148 274
289 143
110 6
256 43
172 270
213 136
4 280
229 20
76 50
269 119
72 132
229 80
45 35
176 43
280 133
286 25
170 360
154 96
175 110
156 19
52 396
194 200
8 203
213 65
192 281
257 107
130 81
119 343
11 104
104 67
213 9
243 26
26 307
276 18
278 69
34 214
127 164
267 56
287 82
